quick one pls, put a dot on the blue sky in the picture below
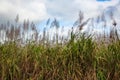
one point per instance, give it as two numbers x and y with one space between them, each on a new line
103 0
66 11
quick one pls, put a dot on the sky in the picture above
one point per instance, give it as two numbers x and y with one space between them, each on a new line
38 11
103 0
65 11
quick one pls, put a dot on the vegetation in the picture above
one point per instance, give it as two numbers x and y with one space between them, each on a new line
37 58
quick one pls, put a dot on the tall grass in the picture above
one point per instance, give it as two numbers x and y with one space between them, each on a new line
80 58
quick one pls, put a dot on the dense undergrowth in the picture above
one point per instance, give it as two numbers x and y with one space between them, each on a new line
75 57
77 60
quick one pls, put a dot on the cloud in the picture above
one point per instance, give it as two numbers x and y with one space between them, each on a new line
39 10
62 9
67 10
34 11
92 8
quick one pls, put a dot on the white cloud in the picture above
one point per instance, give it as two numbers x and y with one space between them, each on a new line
93 8
34 11
68 9
38 10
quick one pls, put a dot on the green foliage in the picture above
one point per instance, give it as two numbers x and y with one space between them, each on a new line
82 59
